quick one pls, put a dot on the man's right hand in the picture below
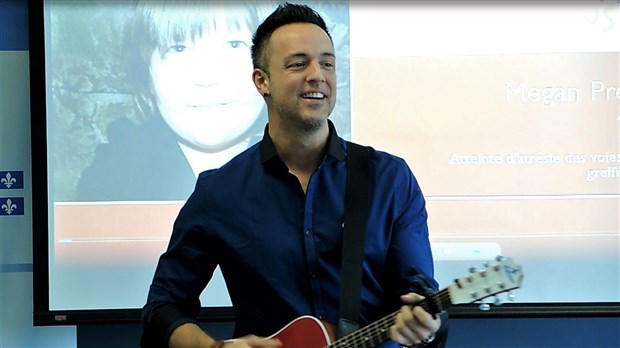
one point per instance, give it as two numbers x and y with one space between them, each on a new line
252 341
190 335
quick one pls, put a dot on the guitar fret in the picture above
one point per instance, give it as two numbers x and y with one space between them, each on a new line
378 332
369 336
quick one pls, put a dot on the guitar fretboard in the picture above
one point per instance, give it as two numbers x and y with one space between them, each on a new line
379 331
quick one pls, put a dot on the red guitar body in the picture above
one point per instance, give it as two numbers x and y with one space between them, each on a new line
305 332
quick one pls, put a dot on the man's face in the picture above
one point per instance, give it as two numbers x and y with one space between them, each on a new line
302 75
203 90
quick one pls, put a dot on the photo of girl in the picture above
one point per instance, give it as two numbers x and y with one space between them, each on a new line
183 72
191 73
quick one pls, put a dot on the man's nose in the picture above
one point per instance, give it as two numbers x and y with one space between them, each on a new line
315 72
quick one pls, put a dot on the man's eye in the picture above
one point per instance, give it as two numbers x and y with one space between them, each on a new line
177 48
297 65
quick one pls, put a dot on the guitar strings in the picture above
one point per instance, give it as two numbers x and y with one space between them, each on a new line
377 332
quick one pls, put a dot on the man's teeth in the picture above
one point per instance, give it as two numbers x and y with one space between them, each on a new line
315 95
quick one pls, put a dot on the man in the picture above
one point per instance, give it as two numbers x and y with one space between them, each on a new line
272 217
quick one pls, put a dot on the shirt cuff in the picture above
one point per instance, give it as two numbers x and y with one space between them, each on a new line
164 320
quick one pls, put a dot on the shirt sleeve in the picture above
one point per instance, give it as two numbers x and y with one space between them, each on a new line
411 252
411 258
182 273
159 323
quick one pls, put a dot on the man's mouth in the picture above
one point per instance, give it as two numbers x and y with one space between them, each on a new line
313 95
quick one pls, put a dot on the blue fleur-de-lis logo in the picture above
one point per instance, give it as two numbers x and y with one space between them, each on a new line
8 206
8 180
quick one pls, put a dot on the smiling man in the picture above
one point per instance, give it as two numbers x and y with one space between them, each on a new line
296 73
272 218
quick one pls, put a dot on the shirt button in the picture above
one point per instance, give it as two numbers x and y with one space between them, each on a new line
308 233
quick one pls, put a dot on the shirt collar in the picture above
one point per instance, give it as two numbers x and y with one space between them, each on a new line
334 147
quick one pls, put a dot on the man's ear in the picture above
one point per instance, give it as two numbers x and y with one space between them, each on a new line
261 81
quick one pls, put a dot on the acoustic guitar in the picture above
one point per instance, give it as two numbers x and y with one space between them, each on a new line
501 276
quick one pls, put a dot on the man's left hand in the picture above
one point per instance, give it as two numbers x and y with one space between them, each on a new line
413 324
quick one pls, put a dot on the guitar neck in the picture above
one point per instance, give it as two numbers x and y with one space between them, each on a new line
502 276
379 331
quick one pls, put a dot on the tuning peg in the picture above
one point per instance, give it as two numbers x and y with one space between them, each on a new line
485 264
473 269
497 301
511 296
500 258
484 307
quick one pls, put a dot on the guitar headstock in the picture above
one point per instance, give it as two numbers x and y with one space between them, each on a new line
500 276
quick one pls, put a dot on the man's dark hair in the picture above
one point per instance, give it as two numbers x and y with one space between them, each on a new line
286 13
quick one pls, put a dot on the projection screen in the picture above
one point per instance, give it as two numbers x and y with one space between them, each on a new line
508 114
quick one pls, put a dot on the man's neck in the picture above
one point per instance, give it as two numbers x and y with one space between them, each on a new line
302 151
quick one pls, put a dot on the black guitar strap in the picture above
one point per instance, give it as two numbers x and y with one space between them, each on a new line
356 206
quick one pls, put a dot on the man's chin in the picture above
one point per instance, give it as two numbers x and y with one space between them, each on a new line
313 124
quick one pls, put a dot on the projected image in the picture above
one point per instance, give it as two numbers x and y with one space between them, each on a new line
162 90
188 73
513 131
508 115
514 175
142 101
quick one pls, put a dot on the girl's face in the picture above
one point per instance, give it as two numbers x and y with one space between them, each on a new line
204 90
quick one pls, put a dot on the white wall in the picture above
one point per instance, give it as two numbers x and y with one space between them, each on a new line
16 329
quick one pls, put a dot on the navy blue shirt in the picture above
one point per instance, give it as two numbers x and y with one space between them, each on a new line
279 248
